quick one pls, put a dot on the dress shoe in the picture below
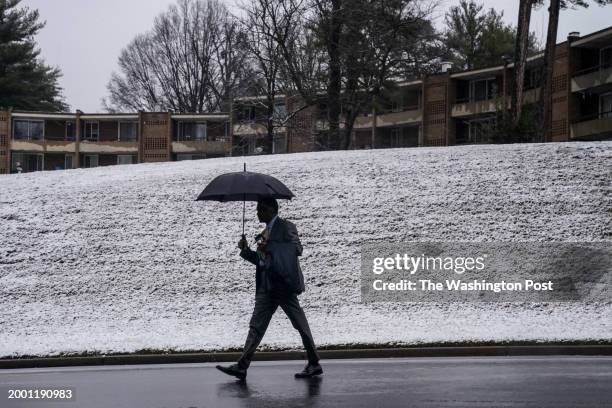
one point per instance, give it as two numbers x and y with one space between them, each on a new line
234 370
309 371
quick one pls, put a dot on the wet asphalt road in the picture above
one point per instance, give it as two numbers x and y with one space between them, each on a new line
557 381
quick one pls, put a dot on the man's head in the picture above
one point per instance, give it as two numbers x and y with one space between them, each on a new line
267 208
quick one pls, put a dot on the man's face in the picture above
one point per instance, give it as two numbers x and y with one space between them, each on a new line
264 214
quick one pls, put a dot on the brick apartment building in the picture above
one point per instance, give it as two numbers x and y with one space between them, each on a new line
450 108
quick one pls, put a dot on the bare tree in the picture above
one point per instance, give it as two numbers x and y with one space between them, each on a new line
189 62
372 50
359 46
265 59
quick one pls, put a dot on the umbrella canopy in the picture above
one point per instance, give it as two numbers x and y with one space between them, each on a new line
244 186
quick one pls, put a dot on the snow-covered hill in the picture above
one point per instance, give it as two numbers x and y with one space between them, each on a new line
117 259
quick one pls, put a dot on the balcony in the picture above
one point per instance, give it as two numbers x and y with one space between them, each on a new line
592 126
463 109
108 147
409 116
591 77
219 146
249 128
385 119
474 108
362 122
60 146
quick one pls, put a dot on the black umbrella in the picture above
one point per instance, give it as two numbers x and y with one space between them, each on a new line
244 186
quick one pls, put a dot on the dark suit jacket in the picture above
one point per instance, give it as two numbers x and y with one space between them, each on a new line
285 232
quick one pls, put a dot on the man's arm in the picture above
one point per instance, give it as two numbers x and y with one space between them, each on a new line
249 255
246 252
292 236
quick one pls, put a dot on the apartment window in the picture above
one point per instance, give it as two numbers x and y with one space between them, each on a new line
480 130
29 129
68 161
91 131
280 112
27 162
90 160
246 113
70 130
396 103
482 89
191 131
533 78
124 159
411 100
182 156
128 131
605 57
396 137
605 105
279 144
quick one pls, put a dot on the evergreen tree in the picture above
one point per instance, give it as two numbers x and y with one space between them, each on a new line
476 39
26 83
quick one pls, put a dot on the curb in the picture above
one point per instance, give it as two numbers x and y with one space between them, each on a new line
176 358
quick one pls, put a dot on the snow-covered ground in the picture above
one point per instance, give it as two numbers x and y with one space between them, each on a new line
122 258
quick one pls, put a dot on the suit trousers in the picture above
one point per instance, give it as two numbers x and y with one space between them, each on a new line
265 306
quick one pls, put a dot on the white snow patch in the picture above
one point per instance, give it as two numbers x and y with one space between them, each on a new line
121 258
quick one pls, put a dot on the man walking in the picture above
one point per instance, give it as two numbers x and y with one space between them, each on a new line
273 290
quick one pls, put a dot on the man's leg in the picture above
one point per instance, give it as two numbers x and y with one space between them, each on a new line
265 306
291 306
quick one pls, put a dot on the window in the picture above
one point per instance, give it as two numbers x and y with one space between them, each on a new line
279 144
92 130
29 130
533 78
396 137
191 131
90 160
396 103
280 112
605 57
27 162
480 130
246 113
68 161
605 105
124 159
182 156
128 131
482 89
70 130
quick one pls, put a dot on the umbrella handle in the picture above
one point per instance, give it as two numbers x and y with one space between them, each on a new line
243 207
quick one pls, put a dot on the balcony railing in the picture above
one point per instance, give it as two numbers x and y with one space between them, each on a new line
220 145
591 69
592 77
593 116
591 125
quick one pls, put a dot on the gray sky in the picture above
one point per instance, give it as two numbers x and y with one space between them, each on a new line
84 37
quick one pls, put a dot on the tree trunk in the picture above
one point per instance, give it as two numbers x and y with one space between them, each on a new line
269 139
520 58
549 62
335 75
